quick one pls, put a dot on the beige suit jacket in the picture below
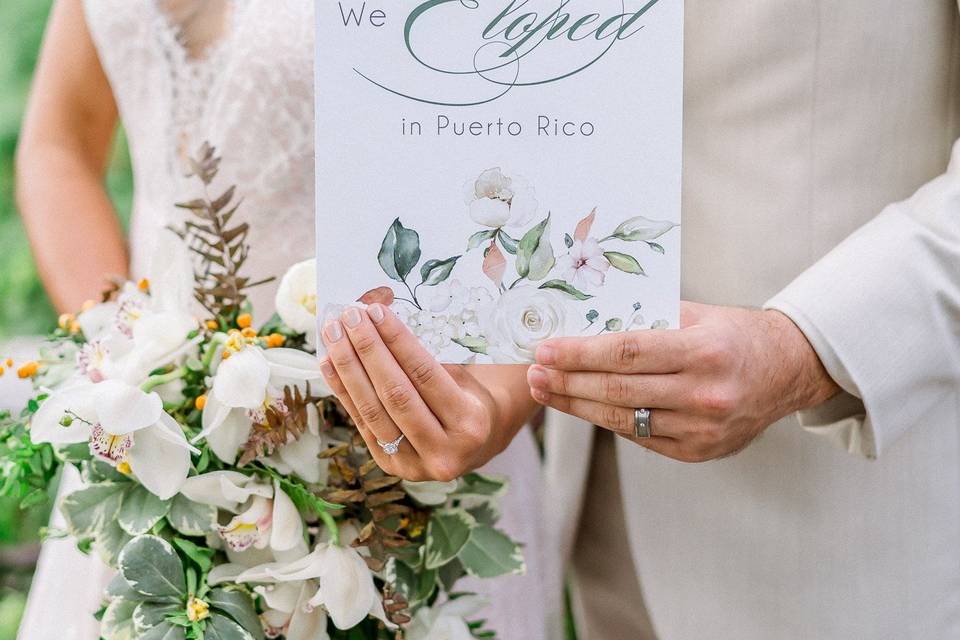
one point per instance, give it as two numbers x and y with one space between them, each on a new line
804 121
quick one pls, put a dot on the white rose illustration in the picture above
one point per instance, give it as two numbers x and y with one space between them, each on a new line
498 201
520 320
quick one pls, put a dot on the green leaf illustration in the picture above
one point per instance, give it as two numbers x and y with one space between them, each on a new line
567 288
400 251
624 262
509 244
474 344
535 255
480 237
657 248
434 272
640 228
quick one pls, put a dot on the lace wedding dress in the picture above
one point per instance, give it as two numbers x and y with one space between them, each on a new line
239 74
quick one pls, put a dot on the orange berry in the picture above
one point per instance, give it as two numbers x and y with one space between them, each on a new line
226 354
249 332
9 363
64 320
213 325
29 369
143 285
244 320
200 402
74 327
2 371
275 340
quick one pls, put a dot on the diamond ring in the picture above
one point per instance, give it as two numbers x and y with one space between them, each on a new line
391 448
641 423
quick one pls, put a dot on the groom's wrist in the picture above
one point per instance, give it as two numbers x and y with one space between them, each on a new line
808 381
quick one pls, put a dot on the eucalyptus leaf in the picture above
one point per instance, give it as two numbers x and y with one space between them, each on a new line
624 262
642 229
239 606
220 627
148 615
490 554
567 288
474 344
399 252
164 631
535 255
117 621
191 518
141 510
152 567
447 533
479 238
90 509
433 272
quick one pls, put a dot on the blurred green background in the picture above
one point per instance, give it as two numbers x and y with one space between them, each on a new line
24 308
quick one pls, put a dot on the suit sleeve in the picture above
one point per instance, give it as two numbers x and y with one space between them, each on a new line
882 311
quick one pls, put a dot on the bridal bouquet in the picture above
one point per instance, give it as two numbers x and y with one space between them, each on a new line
222 481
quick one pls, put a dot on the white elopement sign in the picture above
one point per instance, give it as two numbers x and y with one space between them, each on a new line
501 171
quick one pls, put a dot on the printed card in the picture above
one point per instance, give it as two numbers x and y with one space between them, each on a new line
500 172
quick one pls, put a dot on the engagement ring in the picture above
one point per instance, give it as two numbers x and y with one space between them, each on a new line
391 448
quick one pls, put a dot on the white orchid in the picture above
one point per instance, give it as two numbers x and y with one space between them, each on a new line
345 584
265 516
288 611
124 425
248 383
497 200
446 621
296 300
585 265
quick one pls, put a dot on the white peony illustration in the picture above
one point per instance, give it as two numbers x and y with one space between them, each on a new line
584 266
499 201
520 320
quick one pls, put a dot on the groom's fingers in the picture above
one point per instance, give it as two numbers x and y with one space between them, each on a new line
627 352
616 389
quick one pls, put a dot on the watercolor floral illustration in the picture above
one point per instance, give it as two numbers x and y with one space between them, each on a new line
539 280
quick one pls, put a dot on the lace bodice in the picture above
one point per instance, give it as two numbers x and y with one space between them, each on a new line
236 73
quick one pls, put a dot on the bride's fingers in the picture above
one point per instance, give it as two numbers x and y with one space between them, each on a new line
358 387
394 389
615 389
434 383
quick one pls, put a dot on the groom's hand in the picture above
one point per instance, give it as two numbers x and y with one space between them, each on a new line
392 387
712 386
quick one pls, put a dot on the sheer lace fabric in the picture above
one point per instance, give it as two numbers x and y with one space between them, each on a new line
238 74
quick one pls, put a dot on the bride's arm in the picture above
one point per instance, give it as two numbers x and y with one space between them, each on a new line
61 161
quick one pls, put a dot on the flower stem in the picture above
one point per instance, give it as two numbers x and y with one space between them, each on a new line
413 294
331 525
211 351
156 381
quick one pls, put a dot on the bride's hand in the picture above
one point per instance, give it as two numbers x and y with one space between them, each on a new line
391 386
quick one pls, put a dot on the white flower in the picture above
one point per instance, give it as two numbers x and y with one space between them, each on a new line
499 201
520 320
346 589
446 621
124 426
296 300
585 266
265 515
288 611
247 385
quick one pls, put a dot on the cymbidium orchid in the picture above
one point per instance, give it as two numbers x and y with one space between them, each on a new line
296 300
264 516
345 584
125 427
248 383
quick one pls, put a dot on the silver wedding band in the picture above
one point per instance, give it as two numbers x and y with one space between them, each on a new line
391 448
641 423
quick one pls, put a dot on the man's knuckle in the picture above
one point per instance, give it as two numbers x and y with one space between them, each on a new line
626 352
614 418
715 401
614 388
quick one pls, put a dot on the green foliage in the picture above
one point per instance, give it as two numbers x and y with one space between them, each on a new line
26 309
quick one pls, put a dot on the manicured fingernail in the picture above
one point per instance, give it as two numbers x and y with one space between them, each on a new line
546 354
326 368
351 317
537 377
540 396
375 311
333 331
